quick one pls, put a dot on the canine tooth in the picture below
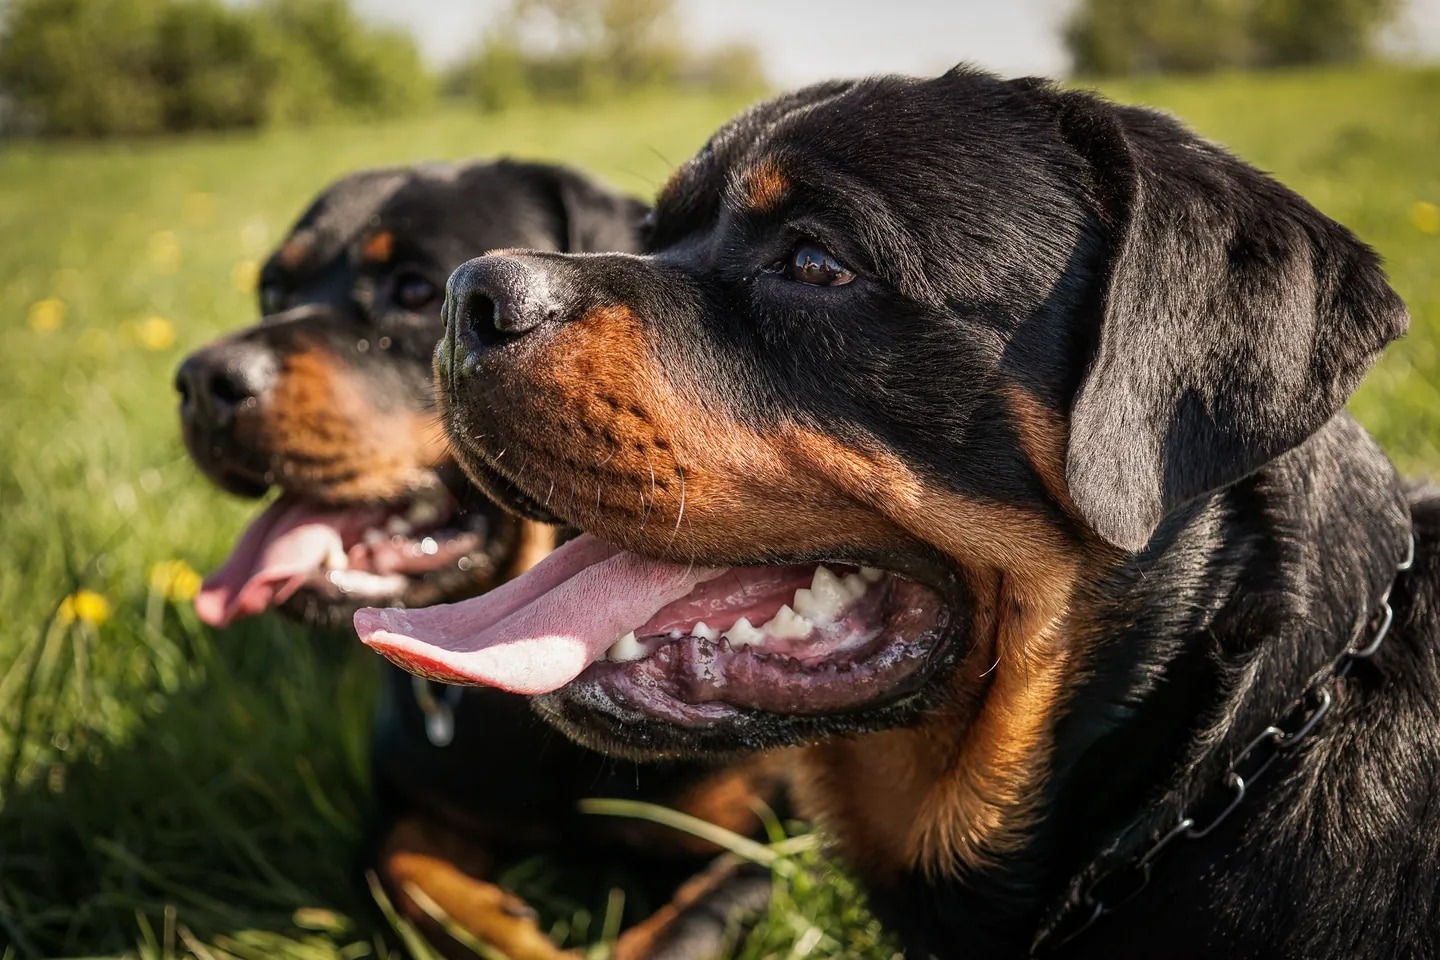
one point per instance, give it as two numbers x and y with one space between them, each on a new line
335 558
625 649
807 606
872 574
827 596
744 634
704 631
788 625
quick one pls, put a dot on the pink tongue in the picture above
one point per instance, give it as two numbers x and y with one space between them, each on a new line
536 633
279 550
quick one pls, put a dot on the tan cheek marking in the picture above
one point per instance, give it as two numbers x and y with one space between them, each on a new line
320 420
649 467
765 185
378 247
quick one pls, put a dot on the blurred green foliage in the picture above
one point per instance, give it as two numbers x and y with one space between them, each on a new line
97 68
584 51
1122 37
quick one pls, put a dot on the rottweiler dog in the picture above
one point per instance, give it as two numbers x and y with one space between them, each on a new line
329 400
987 438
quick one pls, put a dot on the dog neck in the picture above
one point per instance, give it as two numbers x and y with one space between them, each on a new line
1187 651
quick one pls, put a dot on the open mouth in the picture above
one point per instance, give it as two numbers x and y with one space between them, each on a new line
685 644
325 560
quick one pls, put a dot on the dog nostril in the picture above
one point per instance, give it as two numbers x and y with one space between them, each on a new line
228 390
480 317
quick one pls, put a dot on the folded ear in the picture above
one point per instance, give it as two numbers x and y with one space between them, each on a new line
1237 319
593 218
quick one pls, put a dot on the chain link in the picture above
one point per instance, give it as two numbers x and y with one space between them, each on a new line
1111 885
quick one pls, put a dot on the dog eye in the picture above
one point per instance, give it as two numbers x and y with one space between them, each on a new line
813 264
272 298
413 291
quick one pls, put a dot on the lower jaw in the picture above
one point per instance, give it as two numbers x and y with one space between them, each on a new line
330 602
693 684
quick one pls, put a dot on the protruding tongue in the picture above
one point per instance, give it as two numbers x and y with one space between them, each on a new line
278 551
538 632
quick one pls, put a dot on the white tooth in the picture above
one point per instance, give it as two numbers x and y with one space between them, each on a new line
422 513
872 574
744 634
625 649
335 558
829 593
397 526
855 586
704 632
366 583
373 537
808 606
788 625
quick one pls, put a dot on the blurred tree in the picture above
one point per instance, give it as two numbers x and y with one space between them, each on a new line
134 67
1117 37
582 50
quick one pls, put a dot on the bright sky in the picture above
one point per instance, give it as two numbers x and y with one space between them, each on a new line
805 40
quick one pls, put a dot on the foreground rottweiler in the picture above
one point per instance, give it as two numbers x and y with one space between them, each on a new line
329 399
988 437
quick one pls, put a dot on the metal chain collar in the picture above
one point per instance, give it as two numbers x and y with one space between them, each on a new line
1115 878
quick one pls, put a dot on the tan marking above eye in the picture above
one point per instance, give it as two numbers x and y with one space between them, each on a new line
379 247
765 186
295 250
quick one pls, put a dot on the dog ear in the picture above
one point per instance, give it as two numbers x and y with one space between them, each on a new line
1236 320
593 218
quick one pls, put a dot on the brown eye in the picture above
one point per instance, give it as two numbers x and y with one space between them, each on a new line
813 264
413 291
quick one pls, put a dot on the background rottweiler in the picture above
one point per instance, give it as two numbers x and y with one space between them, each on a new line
329 400
991 434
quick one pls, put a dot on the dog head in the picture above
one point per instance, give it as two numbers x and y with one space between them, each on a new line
329 398
907 364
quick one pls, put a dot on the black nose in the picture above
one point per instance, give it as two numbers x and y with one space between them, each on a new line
494 299
216 382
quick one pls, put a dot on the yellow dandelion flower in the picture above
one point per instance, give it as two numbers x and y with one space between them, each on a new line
1425 216
245 275
85 606
164 251
199 208
154 333
47 315
175 580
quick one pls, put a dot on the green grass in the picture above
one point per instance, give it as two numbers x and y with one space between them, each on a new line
169 791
